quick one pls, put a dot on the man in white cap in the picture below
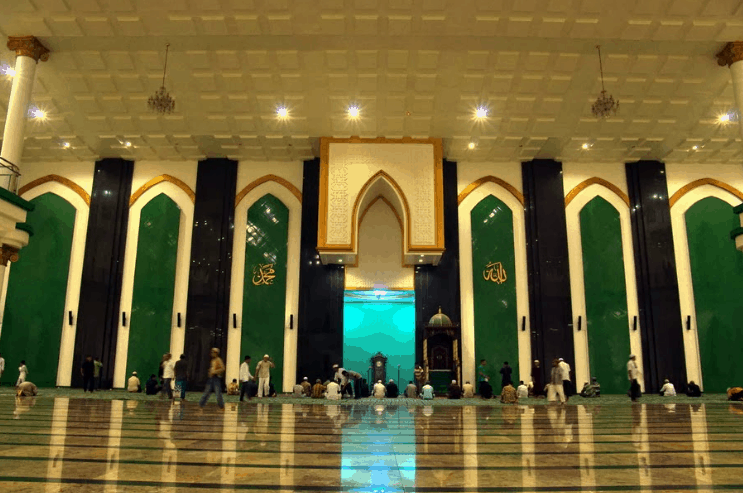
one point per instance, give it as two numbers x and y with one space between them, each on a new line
455 391
133 384
633 373
306 386
263 370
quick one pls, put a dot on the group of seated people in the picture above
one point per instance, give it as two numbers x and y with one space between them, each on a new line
668 390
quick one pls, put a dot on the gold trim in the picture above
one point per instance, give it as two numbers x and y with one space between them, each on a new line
28 46
438 191
698 183
263 179
731 53
489 179
160 179
595 181
57 179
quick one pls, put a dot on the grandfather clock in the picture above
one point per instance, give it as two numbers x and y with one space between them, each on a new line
379 367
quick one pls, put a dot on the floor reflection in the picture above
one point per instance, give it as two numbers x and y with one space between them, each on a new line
66 444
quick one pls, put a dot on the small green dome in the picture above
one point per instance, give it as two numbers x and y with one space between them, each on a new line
440 320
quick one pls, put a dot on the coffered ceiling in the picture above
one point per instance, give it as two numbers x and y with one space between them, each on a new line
415 67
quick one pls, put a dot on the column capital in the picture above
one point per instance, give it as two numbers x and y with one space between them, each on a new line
8 253
731 53
28 46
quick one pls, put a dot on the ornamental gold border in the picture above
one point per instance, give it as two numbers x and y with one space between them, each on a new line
263 179
66 182
489 179
698 183
160 179
438 186
595 181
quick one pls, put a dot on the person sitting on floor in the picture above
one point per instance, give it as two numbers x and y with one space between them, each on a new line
693 390
233 388
427 392
508 395
333 392
151 387
379 390
589 390
298 390
392 390
735 394
26 389
133 384
522 391
468 391
668 390
596 386
411 391
455 391
307 388
486 390
318 390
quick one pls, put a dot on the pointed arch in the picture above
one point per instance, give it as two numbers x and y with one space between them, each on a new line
489 179
595 181
58 179
700 182
402 204
160 179
263 179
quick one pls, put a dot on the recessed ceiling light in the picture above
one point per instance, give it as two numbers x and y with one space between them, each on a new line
586 146
127 144
694 148
471 145
282 112
340 260
420 260
8 70
481 112
66 145
353 111
37 113
724 118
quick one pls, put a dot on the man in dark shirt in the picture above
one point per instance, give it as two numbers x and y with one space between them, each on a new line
87 370
151 387
181 375
392 390
486 390
506 375
693 390
455 391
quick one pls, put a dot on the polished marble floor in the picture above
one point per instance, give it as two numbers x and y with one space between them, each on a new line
68 444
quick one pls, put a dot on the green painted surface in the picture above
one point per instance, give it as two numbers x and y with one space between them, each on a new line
606 295
34 313
154 286
496 318
717 275
264 305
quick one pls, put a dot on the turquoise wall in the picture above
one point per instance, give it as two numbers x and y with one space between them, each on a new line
264 297
717 276
154 286
606 295
37 288
378 326
496 318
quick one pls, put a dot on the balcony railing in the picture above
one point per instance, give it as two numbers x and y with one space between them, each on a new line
9 174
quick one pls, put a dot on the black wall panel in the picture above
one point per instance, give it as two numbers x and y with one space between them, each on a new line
655 269
439 285
320 321
207 318
100 290
550 307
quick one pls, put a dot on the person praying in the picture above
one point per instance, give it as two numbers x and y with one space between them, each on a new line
318 390
486 390
392 390
455 391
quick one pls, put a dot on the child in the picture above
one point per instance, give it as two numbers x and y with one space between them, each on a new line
22 372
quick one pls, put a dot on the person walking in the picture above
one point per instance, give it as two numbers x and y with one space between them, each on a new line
633 374
556 383
505 372
97 365
245 378
87 370
567 385
214 382
2 365
181 376
22 373
168 366
536 378
263 370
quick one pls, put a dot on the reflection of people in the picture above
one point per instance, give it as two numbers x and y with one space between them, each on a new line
633 374
133 384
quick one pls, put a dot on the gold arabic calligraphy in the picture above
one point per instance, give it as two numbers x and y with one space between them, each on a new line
263 274
495 272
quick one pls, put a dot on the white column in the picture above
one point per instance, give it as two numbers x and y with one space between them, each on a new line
28 52
732 56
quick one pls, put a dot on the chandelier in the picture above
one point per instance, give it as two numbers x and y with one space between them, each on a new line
161 102
604 106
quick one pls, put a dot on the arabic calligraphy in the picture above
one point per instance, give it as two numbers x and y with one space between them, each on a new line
263 274
495 272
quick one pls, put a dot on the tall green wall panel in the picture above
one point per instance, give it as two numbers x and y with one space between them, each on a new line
34 308
154 286
606 295
717 275
264 296
496 318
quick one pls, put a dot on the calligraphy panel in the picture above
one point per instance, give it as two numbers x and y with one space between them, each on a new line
494 286
264 295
